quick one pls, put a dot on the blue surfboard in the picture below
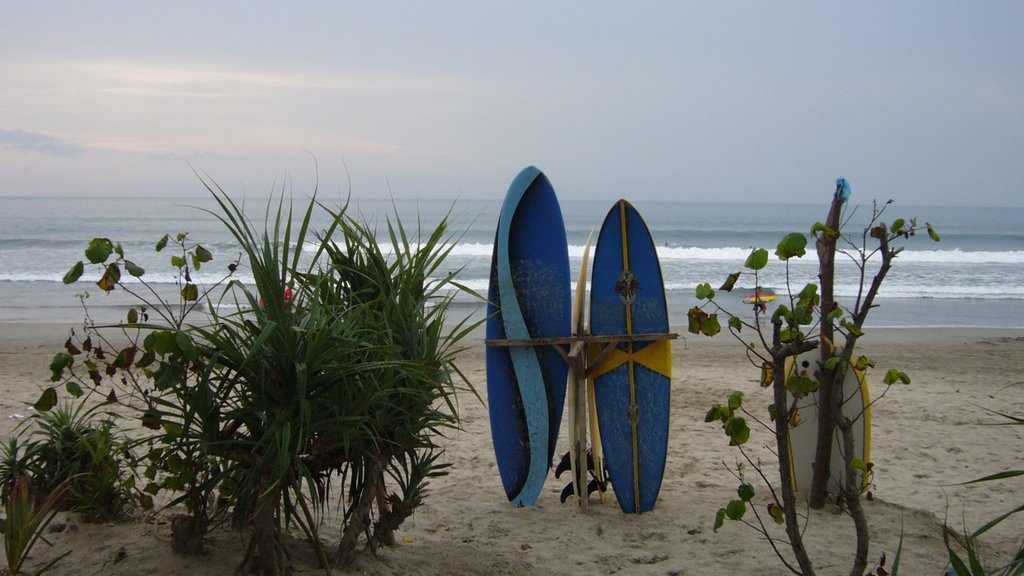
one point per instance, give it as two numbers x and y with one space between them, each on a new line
632 381
529 298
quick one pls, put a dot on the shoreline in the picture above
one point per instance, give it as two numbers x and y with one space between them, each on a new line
926 438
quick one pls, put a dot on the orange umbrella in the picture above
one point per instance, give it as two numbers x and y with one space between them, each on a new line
759 297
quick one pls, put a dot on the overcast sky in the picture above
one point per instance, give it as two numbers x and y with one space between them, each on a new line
920 101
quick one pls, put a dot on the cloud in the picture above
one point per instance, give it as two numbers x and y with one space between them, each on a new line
38 142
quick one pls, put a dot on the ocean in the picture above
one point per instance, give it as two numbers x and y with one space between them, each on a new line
974 277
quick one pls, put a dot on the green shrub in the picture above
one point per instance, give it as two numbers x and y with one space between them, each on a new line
334 366
71 446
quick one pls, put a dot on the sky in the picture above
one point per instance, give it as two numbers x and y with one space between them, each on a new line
918 101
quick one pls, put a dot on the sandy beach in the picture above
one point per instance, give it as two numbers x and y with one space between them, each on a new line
926 438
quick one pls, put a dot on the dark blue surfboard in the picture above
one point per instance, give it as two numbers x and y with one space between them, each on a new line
632 381
529 298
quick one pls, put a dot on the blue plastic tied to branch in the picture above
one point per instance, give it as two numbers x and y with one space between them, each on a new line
843 190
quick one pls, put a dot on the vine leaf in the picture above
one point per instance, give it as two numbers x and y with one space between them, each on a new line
730 282
75 273
792 245
111 276
99 250
47 400
735 509
757 260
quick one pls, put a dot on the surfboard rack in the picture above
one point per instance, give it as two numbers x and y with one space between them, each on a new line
570 348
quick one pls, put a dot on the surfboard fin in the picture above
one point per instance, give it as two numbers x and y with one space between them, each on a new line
564 464
566 493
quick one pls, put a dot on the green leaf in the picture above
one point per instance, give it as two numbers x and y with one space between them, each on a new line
931 232
803 314
696 317
757 259
863 363
735 509
61 360
203 255
133 316
790 335
47 400
99 250
178 261
162 342
894 376
738 431
735 400
167 376
186 346
125 357
745 492
162 243
719 519
147 359
858 466
710 326
775 511
714 414
792 245
133 269
782 311
853 329
730 282
800 386
735 323
825 230
73 389
119 250
954 558
151 418
810 292
75 273
705 291
190 293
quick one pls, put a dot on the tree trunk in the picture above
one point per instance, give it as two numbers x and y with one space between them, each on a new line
827 391
852 485
780 353
359 522
264 551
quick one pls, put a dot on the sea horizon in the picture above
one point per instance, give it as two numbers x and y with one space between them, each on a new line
972 278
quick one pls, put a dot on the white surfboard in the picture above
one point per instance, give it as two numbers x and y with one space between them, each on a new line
803 436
